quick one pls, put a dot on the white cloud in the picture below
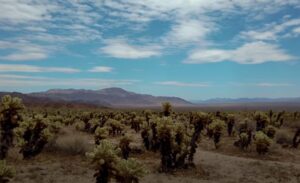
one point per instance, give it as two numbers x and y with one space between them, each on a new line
263 84
119 48
18 11
21 56
296 30
147 10
23 50
101 69
249 53
182 84
272 31
20 81
34 69
189 31
273 84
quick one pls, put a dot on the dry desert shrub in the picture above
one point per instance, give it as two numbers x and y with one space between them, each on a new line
6 172
292 124
71 144
284 138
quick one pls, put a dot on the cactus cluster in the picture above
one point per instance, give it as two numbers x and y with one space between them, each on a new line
32 135
262 142
109 165
9 119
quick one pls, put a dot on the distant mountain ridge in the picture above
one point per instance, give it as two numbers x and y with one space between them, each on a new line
248 100
118 97
111 97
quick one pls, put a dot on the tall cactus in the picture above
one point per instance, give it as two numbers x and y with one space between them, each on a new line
9 118
167 108
33 134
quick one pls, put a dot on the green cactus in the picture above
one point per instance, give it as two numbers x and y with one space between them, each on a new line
230 124
296 138
270 131
261 120
262 142
101 133
115 127
129 171
33 134
167 108
6 172
79 125
108 164
165 135
124 145
217 127
137 122
104 158
199 120
9 119
243 141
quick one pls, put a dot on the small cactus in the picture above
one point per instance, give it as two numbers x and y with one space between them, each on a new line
129 171
100 134
217 127
167 108
124 145
6 172
262 142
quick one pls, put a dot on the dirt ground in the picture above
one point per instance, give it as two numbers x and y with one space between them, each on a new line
226 164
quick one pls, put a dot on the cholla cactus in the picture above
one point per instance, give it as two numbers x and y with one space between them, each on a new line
104 158
261 120
165 136
101 133
174 144
124 145
129 171
33 134
108 165
93 124
230 120
217 127
296 138
79 125
262 142
9 119
270 131
167 108
136 123
243 142
199 120
115 127
145 134
6 172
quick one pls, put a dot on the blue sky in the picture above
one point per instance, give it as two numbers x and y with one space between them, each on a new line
194 49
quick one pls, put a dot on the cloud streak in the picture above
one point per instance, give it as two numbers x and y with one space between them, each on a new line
18 81
249 53
101 69
35 69
182 84
119 48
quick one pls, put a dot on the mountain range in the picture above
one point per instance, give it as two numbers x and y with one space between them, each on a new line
108 97
118 97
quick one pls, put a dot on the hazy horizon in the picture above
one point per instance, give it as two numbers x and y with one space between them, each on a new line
194 49
191 100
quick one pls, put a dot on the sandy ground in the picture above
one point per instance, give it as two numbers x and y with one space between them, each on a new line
227 165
